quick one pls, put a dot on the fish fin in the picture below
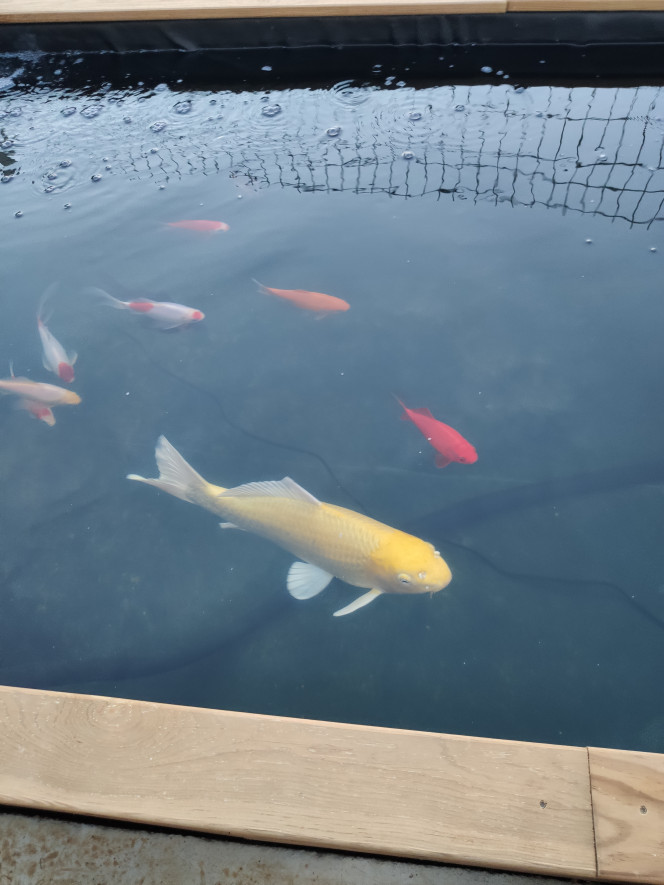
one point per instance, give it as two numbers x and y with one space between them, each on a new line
45 364
264 289
48 293
231 525
72 357
424 412
441 460
108 299
405 416
280 488
306 580
360 602
176 476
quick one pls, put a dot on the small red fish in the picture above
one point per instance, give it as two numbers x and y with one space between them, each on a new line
200 224
317 301
448 443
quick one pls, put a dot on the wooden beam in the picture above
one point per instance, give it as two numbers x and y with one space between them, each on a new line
15 11
464 800
628 799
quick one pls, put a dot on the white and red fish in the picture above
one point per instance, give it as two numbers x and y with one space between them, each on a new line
54 357
201 225
38 398
163 314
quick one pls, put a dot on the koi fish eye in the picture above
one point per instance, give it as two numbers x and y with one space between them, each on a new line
404 578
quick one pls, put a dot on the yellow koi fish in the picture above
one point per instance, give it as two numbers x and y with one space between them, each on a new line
331 541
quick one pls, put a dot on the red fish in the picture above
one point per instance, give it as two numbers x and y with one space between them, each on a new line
448 443
317 301
200 225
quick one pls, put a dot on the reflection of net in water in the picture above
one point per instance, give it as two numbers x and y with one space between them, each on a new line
596 151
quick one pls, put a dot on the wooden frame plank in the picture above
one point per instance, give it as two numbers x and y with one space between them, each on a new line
16 11
628 801
367 790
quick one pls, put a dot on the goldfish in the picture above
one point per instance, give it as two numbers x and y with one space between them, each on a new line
37 397
200 225
54 357
448 443
328 541
317 301
164 314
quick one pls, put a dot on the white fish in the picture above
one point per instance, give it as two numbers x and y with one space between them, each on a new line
164 314
54 357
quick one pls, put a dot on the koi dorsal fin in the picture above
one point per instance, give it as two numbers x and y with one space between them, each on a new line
281 488
425 412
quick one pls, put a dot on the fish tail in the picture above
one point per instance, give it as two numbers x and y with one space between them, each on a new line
48 294
106 298
177 477
264 289
403 406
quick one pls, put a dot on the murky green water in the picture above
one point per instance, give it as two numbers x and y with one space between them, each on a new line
501 251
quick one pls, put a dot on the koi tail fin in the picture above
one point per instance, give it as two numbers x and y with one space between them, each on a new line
107 299
42 317
177 477
262 288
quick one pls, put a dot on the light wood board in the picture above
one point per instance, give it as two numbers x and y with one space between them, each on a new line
504 804
628 801
15 11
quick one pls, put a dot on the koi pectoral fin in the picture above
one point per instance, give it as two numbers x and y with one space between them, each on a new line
306 580
442 461
360 602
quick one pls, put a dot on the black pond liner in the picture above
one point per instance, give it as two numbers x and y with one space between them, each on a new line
533 47
566 48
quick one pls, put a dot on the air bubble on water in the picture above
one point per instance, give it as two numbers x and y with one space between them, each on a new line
108 168
162 187
18 214
154 150
602 158
57 72
460 107
401 83
333 131
519 89
67 206
5 179
51 176
271 110
15 112
408 155
389 80
213 101
542 61
486 69
653 248
65 164
7 143
105 159
506 76
160 87
539 113
159 125
588 240
377 69
95 177
182 107
413 116
90 111
67 112
49 188
499 73
266 68
127 120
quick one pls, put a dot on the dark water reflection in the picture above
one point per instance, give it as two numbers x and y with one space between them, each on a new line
501 250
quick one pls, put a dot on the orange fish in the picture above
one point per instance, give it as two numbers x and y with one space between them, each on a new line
448 442
317 301
36 397
200 225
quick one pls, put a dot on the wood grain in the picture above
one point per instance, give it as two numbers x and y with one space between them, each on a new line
628 800
15 11
407 794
